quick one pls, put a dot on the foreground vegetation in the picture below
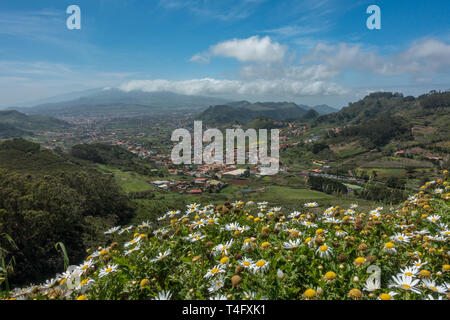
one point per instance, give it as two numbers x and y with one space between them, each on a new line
254 251
45 198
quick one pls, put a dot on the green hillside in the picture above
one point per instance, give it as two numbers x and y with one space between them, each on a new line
30 122
243 112
48 197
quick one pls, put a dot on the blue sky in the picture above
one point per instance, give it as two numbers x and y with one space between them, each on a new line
307 51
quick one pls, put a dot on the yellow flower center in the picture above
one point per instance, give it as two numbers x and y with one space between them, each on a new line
260 263
355 293
385 296
224 260
310 293
406 287
265 244
83 282
108 270
389 245
214 270
425 273
330 275
323 248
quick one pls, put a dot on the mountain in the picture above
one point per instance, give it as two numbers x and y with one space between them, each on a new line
243 112
387 103
19 123
263 123
117 102
324 109
58 98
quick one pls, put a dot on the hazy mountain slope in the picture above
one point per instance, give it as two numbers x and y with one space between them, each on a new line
324 109
113 101
30 122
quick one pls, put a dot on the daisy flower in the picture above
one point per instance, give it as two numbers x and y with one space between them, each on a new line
260 266
163 295
112 268
246 262
433 218
332 220
125 229
213 271
232 226
198 224
216 285
132 242
405 283
324 251
145 224
430 297
431 285
247 243
112 230
372 284
311 204
409 271
223 248
211 220
387 296
193 237
219 297
400 237
294 214
309 224
85 266
193 206
419 264
136 248
389 247
161 256
341 233
292 244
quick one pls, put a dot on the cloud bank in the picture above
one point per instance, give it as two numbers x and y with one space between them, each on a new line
253 49
255 88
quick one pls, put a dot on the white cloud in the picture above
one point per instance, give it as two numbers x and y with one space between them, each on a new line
233 88
253 49
282 71
423 57
215 9
295 30
200 58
